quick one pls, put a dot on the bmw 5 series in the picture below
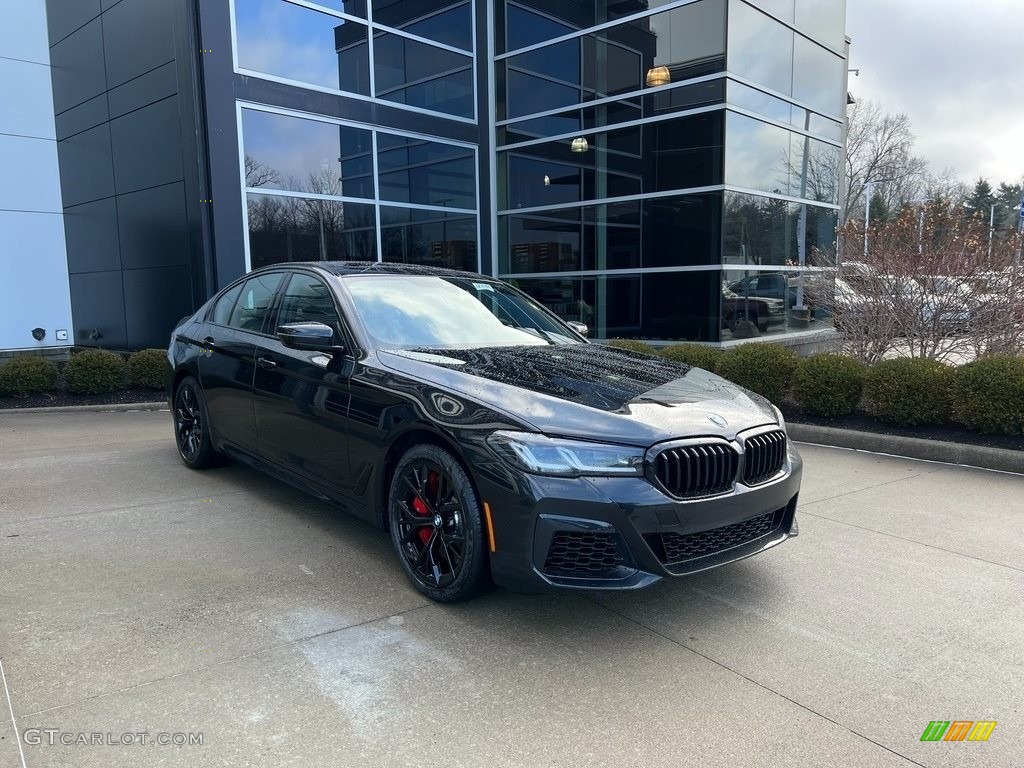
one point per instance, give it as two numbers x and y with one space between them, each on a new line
491 440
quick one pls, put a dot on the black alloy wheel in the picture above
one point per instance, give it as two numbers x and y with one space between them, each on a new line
436 525
191 426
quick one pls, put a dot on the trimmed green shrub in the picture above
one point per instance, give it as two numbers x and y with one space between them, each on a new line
988 395
633 345
95 372
828 385
26 375
696 355
149 369
766 369
908 391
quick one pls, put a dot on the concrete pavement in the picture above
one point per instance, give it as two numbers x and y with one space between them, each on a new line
138 596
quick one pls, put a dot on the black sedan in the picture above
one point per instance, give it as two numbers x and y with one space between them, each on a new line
490 439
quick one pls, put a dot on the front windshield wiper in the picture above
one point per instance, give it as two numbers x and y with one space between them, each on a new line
552 339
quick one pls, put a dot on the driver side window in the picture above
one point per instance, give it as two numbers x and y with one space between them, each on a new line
307 299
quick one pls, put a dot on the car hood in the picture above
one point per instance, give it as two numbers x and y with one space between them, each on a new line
590 391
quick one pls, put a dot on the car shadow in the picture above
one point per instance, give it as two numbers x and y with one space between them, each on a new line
718 596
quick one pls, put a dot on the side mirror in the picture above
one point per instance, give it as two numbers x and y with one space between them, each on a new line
580 328
314 337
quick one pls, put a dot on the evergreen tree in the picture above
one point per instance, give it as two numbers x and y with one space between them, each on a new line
880 212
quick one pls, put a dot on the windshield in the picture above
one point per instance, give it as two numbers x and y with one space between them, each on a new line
426 311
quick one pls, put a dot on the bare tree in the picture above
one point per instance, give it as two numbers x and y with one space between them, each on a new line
257 174
944 187
879 148
929 288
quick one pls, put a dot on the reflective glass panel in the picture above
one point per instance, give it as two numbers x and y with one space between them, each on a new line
426 172
533 21
420 75
822 126
818 178
658 156
757 155
298 155
818 77
654 50
824 20
351 7
781 9
763 230
432 238
525 27
443 22
760 102
298 43
659 232
761 303
300 229
760 49
661 306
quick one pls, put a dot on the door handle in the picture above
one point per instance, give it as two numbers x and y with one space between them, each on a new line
265 362
209 341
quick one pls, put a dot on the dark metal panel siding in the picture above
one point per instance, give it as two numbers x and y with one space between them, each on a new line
92 237
65 16
97 306
147 146
151 227
124 85
153 300
86 168
138 36
77 69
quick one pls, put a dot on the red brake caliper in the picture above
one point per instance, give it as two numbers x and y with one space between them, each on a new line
421 509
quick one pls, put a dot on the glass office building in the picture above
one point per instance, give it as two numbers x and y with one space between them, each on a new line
659 170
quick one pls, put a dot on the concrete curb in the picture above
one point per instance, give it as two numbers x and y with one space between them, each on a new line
160 405
912 447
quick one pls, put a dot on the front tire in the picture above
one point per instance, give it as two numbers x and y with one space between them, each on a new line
192 426
436 526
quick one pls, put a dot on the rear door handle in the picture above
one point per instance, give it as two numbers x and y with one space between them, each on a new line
209 341
265 362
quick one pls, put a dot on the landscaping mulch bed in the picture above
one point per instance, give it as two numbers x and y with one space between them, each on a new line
947 432
47 399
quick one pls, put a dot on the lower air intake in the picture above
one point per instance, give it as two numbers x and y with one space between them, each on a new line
673 548
582 554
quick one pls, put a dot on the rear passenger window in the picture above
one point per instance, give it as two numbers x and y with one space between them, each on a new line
254 303
222 310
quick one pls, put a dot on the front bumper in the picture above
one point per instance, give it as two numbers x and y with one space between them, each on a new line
625 532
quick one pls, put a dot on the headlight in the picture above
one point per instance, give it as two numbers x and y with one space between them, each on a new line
565 458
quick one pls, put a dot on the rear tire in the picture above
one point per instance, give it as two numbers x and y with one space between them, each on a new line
192 426
437 527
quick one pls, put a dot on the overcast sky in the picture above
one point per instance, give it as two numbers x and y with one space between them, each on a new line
956 67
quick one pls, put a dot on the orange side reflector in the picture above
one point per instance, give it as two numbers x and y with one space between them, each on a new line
490 526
